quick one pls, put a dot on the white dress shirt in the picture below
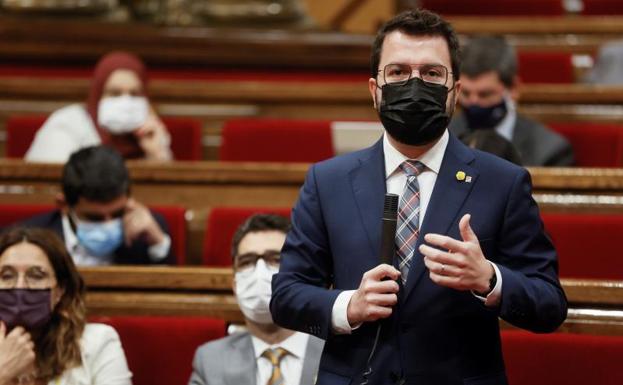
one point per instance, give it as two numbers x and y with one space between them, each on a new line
291 365
506 128
81 256
395 181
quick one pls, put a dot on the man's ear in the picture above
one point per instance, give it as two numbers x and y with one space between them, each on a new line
61 202
372 88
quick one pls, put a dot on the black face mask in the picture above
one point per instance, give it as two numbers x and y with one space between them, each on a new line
414 113
486 118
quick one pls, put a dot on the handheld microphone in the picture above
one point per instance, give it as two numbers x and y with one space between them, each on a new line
388 232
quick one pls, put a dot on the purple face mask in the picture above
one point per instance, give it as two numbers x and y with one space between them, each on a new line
29 308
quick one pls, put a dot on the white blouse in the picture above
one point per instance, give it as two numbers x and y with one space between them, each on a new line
103 360
66 131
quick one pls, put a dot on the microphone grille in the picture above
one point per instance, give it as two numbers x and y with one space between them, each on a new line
390 206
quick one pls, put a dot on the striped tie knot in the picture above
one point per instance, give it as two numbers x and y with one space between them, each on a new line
275 356
412 167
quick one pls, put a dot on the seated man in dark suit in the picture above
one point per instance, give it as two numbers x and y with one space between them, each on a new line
98 220
266 353
488 100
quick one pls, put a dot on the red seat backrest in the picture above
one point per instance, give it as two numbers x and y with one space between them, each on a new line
546 67
494 7
185 136
176 219
13 213
586 244
594 144
602 7
221 225
562 358
275 140
160 350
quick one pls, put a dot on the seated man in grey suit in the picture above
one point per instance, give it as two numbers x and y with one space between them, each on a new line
488 99
266 354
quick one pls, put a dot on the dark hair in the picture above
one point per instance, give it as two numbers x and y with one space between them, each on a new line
58 345
484 54
492 142
256 223
418 22
96 173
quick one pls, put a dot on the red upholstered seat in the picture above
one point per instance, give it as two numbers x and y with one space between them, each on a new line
546 67
602 7
587 244
160 350
494 7
221 225
185 136
594 144
276 140
174 215
562 359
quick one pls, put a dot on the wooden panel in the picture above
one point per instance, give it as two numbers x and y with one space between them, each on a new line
132 290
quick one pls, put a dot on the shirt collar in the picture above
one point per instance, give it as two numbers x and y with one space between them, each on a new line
71 241
506 128
431 158
296 345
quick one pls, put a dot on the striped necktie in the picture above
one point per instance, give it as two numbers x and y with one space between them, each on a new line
408 217
275 356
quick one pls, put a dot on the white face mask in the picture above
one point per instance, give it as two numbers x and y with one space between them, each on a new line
122 114
253 290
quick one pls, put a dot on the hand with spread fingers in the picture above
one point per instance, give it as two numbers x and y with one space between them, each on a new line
463 266
17 353
375 296
139 223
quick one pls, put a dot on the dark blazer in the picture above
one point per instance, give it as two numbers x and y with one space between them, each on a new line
435 335
536 144
231 361
136 254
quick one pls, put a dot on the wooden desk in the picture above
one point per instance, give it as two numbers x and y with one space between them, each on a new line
595 306
199 186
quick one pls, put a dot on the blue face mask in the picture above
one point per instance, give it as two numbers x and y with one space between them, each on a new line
100 239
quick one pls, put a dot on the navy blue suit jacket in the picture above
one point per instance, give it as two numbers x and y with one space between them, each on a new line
435 335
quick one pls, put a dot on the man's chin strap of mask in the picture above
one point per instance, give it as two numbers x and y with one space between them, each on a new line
414 113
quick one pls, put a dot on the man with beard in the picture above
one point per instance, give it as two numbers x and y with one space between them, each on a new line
470 245
266 353
489 91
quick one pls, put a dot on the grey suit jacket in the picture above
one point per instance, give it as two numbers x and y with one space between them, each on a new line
536 144
231 361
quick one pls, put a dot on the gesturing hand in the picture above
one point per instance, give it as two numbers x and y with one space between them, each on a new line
463 266
375 297
17 353
139 223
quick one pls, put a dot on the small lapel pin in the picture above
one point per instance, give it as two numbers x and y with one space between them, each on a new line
460 176
468 179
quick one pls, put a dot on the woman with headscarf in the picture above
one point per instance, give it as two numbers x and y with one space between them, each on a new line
117 113
44 337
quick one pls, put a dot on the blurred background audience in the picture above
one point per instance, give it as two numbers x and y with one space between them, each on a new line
44 336
97 218
117 113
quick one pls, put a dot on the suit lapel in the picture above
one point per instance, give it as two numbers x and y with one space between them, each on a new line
368 182
447 198
311 360
242 367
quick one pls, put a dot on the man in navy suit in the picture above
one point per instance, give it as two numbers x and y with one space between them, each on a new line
471 245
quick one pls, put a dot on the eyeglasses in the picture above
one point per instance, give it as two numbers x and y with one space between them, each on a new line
34 277
400 74
247 261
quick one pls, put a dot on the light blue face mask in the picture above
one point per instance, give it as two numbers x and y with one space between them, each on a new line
100 238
